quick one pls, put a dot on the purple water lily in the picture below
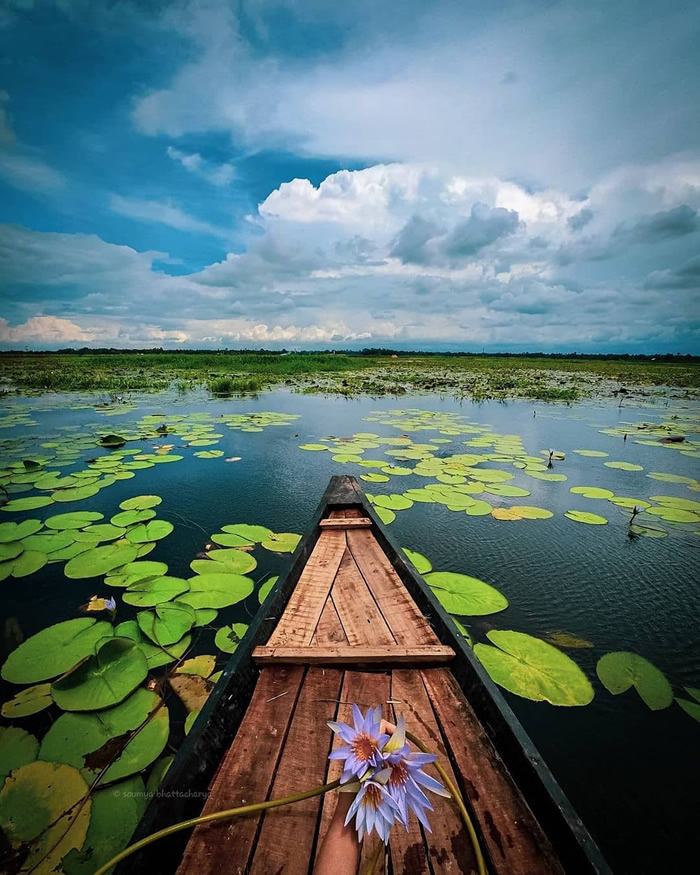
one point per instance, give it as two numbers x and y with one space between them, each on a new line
363 743
373 809
391 778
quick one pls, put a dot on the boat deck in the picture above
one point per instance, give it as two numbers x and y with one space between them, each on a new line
352 633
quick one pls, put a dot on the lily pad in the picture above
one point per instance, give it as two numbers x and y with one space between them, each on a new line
374 478
150 531
534 669
385 515
28 701
217 590
624 466
33 502
131 517
77 493
247 534
692 709
282 542
674 514
43 807
17 531
141 502
420 563
134 571
116 812
592 492
593 454
202 665
91 741
104 679
17 748
77 519
582 516
671 478
464 595
527 512
314 447
673 501
10 550
155 655
54 650
393 502
266 588
168 622
229 637
100 560
103 532
231 561
154 591
621 670
505 513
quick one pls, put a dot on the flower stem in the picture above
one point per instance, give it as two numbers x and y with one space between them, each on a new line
457 796
211 818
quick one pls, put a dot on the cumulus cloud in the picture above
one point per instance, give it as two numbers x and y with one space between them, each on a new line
216 174
44 330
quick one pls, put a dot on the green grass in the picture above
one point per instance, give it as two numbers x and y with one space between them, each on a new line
227 373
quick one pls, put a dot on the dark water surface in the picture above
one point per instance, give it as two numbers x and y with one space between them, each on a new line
633 774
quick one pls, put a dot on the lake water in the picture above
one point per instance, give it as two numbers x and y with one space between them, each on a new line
631 773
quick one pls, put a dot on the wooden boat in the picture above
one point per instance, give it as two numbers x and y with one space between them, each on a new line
354 622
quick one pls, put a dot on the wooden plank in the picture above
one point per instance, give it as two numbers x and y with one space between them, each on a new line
329 629
361 618
245 775
347 512
510 833
300 618
406 622
348 654
448 844
346 523
286 840
365 689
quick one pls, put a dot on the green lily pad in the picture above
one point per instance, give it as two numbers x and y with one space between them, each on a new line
10 550
48 542
374 478
674 514
599 454
102 680
33 502
168 622
54 650
582 516
506 490
420 563
672 501
205 616
156 775
229 637
154 591
672 478
534 669
130 517
385 515
217 590
42 810
621 670
135 571
346 457
266 588
231 561
314 447
77 493
647 532
100 560
692 709
116 812
28 701
141 502
150 531
77 519
281 542
17 531
393 502
86 740
629 503
27 563
546 475
527 512
17 748
477 508
155 655
192 716
624 466
103 532
464 595
592 492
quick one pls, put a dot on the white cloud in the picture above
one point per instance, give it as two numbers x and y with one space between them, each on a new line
216 174
44 329
163 214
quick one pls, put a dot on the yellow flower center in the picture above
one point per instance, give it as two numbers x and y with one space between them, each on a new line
364 747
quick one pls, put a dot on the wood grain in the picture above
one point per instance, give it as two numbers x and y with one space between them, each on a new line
348 654
358 612
514 840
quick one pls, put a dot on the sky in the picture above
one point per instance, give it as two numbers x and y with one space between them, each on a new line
506 175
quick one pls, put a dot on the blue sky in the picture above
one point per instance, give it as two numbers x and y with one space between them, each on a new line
500 176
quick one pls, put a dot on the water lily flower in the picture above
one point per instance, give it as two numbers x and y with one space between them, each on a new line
363 743
111 604
373 809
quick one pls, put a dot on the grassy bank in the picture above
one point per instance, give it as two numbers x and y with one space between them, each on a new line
478 377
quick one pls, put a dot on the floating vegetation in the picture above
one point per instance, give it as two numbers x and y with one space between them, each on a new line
622 670
582 516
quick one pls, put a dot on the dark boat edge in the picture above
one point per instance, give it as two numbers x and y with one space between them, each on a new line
184 789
